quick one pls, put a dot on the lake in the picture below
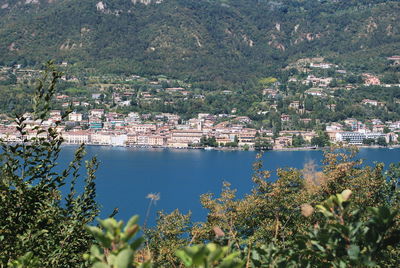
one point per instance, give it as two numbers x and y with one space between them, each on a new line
127 175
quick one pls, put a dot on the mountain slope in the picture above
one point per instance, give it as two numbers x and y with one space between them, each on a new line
230 40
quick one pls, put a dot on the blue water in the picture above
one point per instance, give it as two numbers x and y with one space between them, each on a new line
127 175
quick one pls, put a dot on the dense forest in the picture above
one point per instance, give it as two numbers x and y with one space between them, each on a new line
221 42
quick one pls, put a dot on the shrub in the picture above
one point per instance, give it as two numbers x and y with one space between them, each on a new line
36 226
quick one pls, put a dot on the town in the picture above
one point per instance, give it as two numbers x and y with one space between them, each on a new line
314 104
168 130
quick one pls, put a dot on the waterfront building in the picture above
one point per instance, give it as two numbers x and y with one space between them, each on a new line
350 137
119 139
131 139
247 138
282 142
142 140
183 138
223 139
76 137
357 138
157 140
101 138
34 135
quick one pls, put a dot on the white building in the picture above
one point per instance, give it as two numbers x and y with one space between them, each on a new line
357 138
119 139
76 117
76 137
97 113
101 138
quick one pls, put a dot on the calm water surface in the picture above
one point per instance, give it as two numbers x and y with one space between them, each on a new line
127 175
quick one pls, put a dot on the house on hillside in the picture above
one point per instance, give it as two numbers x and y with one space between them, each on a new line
315 92
371 80
285 118
294 105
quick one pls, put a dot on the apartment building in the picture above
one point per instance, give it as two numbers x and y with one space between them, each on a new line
76 137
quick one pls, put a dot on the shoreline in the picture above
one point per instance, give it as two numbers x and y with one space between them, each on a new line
230 149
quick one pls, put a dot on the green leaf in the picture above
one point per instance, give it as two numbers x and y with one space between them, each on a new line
145 265
132 221
124 259
95 251
130 232
353 251
100 265
255 255
215 253
315 243
342 264
109 224
99 236
231 261
200 256
186 259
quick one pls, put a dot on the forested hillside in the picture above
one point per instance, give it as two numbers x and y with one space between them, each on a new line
208 40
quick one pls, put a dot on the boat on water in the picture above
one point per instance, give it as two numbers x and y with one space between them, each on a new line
208 148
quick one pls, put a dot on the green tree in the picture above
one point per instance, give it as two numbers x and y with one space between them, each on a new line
381 141
298 141
341 238
368 141
208 142
35 222
321 140
167 237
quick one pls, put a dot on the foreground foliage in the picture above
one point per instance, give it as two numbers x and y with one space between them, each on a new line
115 248
270 214
36 225
340 238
